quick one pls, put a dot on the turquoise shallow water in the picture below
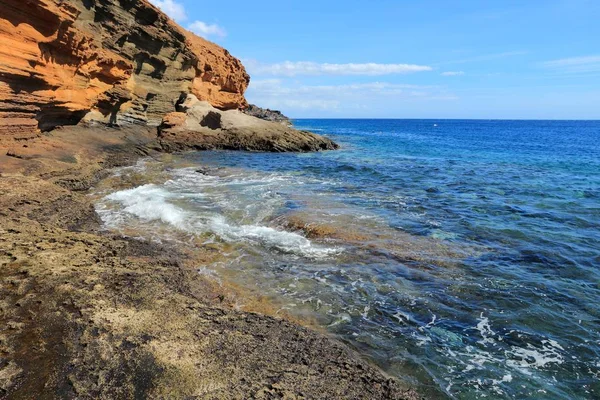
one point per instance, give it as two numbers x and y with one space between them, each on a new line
463 256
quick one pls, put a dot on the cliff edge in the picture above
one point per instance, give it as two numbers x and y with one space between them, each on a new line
111 61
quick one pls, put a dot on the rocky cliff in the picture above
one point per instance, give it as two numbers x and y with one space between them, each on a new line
112 61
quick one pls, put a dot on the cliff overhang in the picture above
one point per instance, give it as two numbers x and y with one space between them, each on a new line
110 61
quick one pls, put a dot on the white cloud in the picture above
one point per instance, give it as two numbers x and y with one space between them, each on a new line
487 57
297 98
171 8
574 65
289 68
452 73
278 87
305 104
177 11
203 29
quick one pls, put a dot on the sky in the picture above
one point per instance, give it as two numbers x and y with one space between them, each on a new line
484 59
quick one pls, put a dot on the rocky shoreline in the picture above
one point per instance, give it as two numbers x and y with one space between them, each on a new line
86 86
89 314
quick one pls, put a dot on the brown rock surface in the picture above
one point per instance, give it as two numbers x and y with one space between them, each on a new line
199 126
112 61
89 315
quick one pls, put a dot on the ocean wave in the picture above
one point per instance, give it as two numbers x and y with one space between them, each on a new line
154 203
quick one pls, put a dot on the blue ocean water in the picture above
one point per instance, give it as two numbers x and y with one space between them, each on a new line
462 256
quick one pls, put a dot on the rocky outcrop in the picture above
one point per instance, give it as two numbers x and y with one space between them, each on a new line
267 114
199 126
112 61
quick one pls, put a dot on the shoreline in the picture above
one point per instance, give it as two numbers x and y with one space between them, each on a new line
107 316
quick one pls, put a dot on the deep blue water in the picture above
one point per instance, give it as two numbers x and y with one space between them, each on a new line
463 256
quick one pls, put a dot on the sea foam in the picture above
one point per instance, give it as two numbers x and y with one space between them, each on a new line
154 203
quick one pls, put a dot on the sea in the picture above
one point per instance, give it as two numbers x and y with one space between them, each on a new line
461 256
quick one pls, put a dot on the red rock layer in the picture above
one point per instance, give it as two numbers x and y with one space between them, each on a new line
114 61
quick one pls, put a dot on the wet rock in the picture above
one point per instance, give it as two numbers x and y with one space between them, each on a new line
102 316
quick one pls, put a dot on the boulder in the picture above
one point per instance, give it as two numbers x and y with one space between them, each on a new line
204 127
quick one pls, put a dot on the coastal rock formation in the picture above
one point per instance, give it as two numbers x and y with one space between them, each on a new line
267 114
199 126
87 314
113 61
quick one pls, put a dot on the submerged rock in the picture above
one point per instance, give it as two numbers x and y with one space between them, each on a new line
88 314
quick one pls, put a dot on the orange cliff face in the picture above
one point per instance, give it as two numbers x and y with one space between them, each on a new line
112 61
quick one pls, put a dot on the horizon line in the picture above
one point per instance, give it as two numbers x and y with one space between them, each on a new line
448 119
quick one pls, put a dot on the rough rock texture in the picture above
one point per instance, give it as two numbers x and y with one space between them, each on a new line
267 114
114 61
199 126
88 315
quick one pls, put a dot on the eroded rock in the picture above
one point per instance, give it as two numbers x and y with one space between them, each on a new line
204 127
116 62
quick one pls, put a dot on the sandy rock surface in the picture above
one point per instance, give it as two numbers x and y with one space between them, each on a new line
87 314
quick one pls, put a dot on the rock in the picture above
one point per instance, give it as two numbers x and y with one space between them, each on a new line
187 102
211 120
95 315
204 127
206 170
173 120
13 153
112 61
267 114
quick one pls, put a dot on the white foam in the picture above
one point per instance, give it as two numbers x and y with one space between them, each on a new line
289 242
485 330
210 273
342 318
155 203
365 313
401 316
150 203
532 357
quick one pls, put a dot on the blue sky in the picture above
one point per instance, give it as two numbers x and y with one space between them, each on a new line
528 59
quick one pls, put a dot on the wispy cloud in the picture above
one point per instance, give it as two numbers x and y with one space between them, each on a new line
452 73
203 29
487 57
289 68
278 93
574 65
171 8
178 12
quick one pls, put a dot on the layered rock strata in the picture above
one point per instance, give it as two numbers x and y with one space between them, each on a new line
112 61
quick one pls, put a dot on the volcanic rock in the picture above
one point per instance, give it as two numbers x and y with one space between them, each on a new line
110 61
